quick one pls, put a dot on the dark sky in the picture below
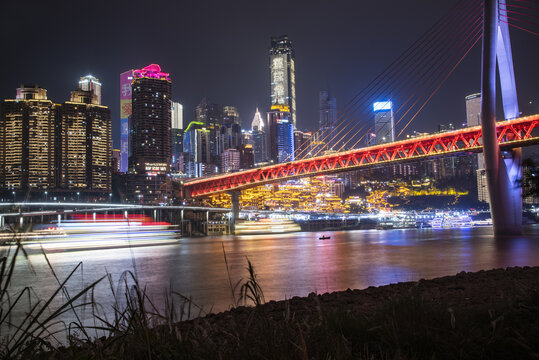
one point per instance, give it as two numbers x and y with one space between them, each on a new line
219 49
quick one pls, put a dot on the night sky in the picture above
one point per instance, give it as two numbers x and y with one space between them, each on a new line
219 49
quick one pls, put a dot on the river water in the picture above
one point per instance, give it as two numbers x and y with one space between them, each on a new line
287 265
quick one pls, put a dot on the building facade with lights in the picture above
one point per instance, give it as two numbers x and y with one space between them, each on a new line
283 75
126 93
384 125
176 134
56 149
27 141
280 135
84 161
150 138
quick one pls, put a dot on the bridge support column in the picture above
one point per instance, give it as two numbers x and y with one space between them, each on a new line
235 210
502 171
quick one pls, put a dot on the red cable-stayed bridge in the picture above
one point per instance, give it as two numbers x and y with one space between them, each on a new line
515 133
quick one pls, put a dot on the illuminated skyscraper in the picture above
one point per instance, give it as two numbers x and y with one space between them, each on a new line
280 135
126 79
176 133
55 147
84 150
473 118
210 115
258 137
150 134
91 83
384 126
27 140
283 75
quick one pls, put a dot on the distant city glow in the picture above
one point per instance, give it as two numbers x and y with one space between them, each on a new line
382 105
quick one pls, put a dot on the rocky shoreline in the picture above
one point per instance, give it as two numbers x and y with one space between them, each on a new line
490 314
465 289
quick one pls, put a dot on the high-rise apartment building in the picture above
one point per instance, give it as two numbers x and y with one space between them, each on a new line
230 160
55 147
84 160
91 83
283 75
27 140
280 135
150 134
384 126
126 93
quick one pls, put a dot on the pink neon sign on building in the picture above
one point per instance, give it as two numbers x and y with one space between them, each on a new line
152 71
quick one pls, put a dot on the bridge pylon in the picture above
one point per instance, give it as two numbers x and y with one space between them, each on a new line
503 169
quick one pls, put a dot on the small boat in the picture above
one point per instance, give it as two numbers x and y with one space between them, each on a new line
324 237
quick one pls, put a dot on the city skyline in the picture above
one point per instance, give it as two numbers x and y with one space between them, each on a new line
342 65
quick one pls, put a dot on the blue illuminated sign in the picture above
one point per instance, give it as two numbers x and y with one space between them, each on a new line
382 105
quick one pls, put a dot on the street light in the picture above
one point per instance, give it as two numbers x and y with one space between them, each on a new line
110 198
13 196
78 196
46 196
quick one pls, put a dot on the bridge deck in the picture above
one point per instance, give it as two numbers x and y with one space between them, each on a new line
511 134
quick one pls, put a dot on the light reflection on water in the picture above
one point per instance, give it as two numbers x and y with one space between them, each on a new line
287 265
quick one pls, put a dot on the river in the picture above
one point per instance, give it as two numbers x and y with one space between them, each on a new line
287 265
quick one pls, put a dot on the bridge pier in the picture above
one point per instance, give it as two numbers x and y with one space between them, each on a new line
235 209
502 171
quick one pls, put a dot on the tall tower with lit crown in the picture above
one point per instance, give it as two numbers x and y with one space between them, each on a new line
283 75
150 132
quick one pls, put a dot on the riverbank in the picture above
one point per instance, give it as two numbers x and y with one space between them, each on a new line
487 314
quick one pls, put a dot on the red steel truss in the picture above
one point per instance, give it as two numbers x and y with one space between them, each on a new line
511 134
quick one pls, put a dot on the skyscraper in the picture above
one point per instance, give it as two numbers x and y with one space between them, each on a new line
280 135
283 75
383 122
473 118
55 147
91 83
258 136
27 140
229 135
176 133
126 79
84 161
150 133
328 120
210 115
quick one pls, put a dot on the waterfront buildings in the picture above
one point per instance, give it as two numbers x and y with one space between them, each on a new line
60 148
280 135
126 79
85 145
283 75
384 126
27 140
150 134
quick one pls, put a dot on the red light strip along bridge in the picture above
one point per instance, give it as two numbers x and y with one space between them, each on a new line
511 134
